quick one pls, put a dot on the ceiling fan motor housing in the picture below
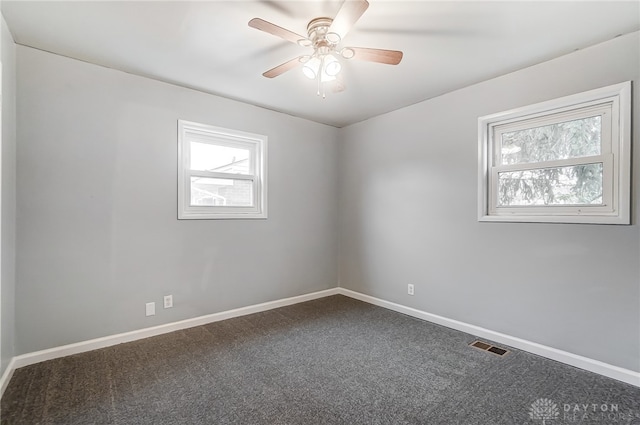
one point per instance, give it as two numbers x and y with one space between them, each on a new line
319 35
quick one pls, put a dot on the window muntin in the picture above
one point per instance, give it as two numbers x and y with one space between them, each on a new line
221 173
565 160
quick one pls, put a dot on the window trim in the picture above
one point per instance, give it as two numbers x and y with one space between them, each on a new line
256 143
616 159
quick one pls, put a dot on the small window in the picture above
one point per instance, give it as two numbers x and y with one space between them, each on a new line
221 173
565 161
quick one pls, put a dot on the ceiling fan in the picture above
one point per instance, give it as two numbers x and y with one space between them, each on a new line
324 35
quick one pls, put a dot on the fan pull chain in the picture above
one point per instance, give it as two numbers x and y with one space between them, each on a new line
321 84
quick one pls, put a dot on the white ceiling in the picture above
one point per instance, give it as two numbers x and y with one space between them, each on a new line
208 46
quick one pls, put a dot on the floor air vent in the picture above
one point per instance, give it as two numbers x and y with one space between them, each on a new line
490 348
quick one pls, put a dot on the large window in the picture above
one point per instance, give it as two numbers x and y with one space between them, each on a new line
566 160
221 173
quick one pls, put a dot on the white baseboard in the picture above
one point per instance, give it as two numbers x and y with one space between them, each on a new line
581 362
601 368
6 376
107 341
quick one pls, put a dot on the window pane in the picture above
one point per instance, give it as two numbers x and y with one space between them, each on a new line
221 192
571 139
574 185
222 159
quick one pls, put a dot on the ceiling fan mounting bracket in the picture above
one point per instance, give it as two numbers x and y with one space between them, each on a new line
317 23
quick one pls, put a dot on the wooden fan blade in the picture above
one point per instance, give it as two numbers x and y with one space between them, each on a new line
390 57
262 25
348 15
282 68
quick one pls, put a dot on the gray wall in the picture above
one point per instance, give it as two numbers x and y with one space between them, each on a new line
97 230
98 235
408 202
8 189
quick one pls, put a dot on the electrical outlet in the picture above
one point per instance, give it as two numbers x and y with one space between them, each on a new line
168 301
151 309
410 289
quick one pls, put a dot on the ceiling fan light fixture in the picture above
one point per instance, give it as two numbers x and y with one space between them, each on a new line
332 66
311 68
324 77
323 36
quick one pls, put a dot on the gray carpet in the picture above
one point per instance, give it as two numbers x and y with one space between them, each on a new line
329 361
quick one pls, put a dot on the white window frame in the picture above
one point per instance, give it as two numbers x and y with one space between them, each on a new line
255 143
613 104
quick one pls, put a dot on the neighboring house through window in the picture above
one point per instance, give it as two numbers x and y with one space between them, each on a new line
221 173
